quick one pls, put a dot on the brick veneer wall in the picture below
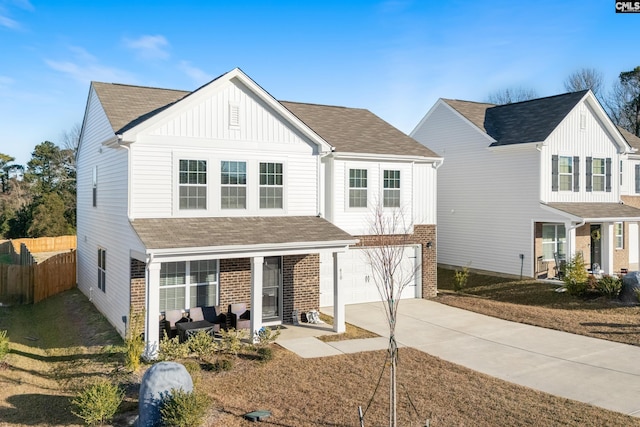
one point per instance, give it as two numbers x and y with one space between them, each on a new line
300 284
137 285
235 281
422 235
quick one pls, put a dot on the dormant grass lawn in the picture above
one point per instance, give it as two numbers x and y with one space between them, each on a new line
62 344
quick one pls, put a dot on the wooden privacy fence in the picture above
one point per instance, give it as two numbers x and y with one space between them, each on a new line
24 284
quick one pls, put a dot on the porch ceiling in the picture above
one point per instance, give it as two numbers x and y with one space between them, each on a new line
598 211
179 233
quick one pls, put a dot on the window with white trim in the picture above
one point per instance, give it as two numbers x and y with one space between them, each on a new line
618 229
271 186
357 188
233 180
102 269
391 189
598 174
192 186
565 173
554 239
188 284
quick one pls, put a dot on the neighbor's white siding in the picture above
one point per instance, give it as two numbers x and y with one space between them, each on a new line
106 225
580 134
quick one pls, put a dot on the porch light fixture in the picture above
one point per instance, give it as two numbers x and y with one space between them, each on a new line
429 244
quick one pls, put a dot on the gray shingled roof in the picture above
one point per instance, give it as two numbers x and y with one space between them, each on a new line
170 233
521 122
597 210
127 106
347 129
356 130
631 139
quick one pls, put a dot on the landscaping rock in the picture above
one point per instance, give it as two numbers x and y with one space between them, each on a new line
156 384
630 285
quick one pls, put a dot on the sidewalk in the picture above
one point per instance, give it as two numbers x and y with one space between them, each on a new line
597 372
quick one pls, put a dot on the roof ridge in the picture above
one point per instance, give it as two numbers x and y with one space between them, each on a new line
542 98
140 86
323 105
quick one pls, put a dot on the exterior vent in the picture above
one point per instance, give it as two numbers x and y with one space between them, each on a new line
583 121
234 115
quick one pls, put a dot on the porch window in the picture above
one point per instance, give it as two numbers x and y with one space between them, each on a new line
553 240
234 185
102 269
193 184
271 185
357 188
565 173
619 234
188 284
391 191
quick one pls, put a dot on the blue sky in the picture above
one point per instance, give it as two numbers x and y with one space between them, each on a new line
395 57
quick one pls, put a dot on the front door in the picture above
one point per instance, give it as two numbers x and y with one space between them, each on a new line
596 245
271 288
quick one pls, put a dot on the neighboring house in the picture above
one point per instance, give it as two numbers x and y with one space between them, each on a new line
529 183
225 195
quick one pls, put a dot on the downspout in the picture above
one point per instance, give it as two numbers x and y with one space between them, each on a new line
574 227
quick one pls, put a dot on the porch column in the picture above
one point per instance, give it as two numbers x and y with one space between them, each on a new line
338 300
608 247
256 294
152 321
571 240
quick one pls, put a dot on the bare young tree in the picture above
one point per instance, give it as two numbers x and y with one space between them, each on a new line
583 79
623 102
512 95
389 237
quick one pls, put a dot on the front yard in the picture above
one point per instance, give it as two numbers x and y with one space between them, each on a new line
62 344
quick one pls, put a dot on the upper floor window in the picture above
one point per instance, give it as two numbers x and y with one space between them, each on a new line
565 172
271 185
357 188
598 174
619 234
193 184
95 186
391 190
233 180
102 269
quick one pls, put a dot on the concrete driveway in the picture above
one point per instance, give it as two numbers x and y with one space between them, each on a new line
597 372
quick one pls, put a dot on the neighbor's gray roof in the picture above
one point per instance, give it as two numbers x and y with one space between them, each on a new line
631 139
347 129
597 210
356 130
521 122
127 106
175 233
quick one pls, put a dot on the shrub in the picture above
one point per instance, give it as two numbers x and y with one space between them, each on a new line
4 344
184 409
97 403
575 275
265 353
231 342
266 336
220 365
460 279
133 342
609 286
172 348
201 344
637 292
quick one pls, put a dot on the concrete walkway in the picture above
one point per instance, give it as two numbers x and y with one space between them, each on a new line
589 370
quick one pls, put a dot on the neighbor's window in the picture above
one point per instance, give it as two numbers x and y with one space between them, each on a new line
233 177
357 188
391 191
619 233
271 185
598 174
95 186
565 173
102 269
553 240
194 282
193 184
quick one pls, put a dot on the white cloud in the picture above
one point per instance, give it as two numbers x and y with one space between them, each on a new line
198 76
22 4
149 47
84 67
9 23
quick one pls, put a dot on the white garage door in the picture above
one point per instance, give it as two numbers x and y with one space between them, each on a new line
356 277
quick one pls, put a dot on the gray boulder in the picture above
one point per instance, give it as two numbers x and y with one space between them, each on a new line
630 285
156 384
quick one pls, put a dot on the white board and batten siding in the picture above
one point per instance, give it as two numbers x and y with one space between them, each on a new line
580 125
105 226
357 281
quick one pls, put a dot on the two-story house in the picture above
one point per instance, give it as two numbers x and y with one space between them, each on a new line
527 184
225 195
